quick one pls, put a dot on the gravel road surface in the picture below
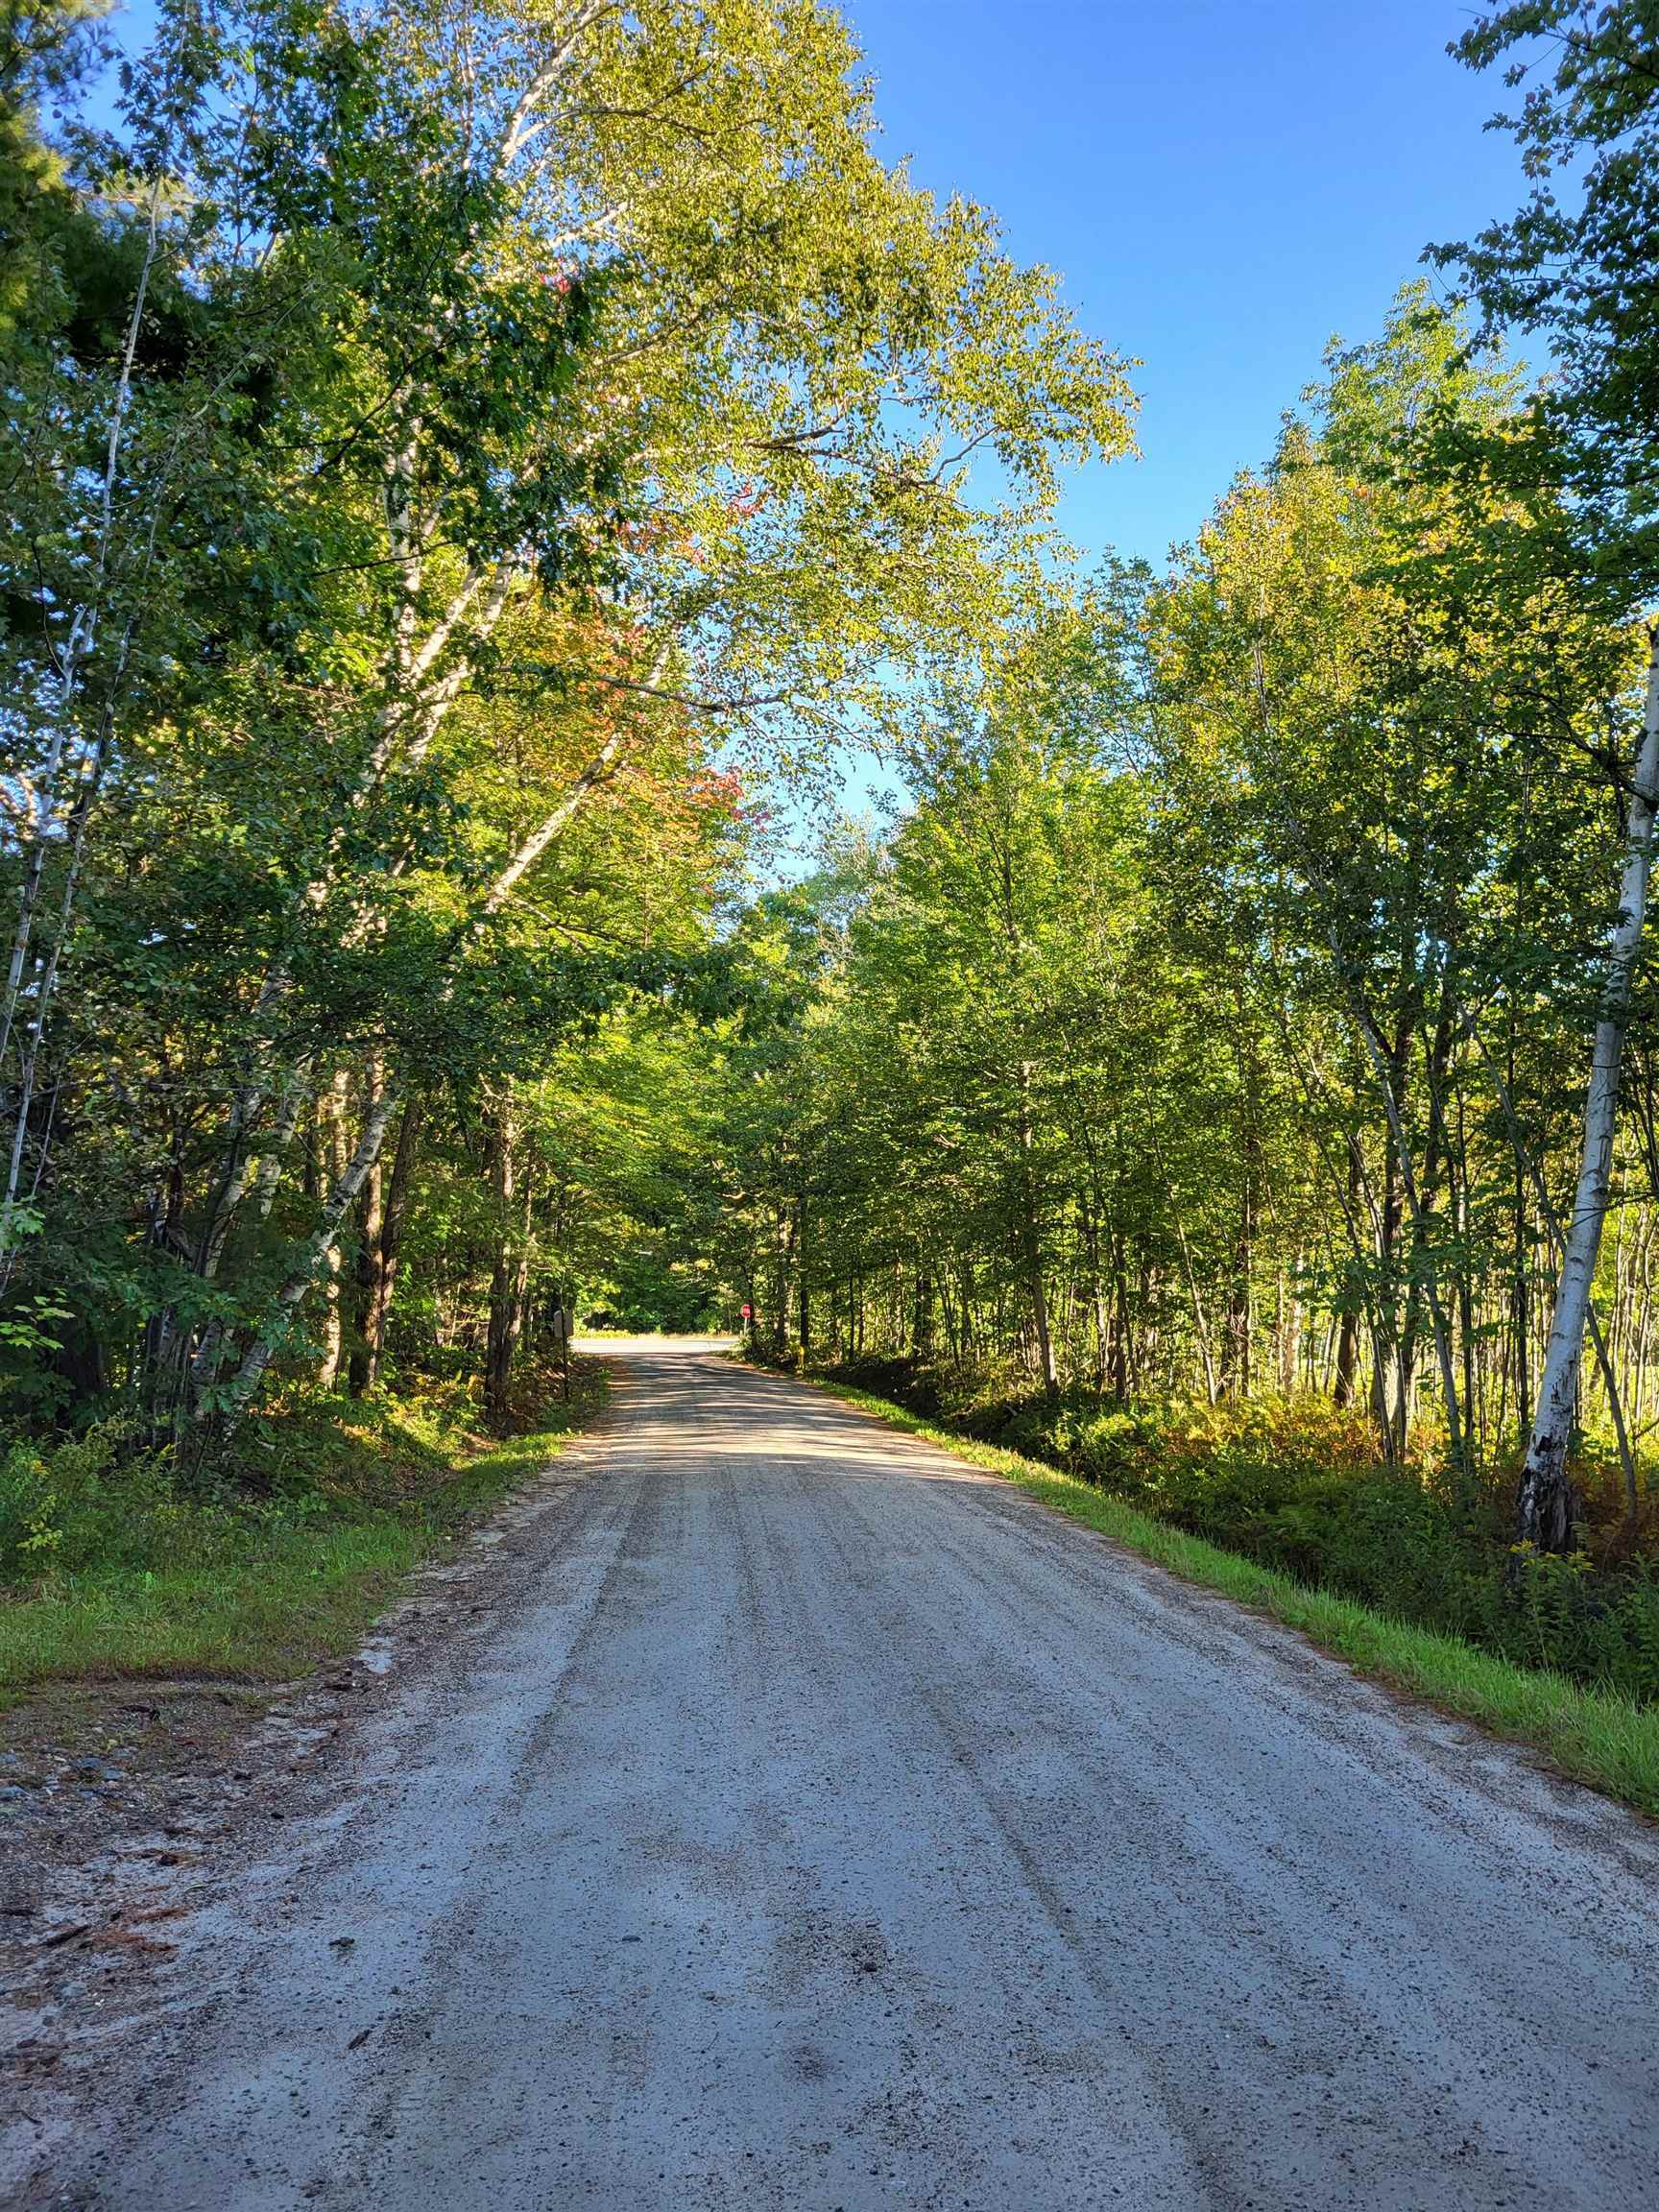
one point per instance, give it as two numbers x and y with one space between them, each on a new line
810 1822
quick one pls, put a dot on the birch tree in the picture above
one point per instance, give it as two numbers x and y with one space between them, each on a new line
1575 265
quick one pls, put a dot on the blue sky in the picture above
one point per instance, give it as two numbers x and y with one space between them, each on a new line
1223 186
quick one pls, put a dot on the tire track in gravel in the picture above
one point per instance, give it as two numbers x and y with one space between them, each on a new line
812 1821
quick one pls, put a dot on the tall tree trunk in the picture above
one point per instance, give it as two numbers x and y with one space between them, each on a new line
1097 1292
1118 1376
1521 1302
921 1311
784 1245
370 1226
803 1298
392 1235
1525 1160
1200 1326
1347 1355
1390 1074
1031 1237
1547 1510
1389 1357
332 1133
314 1259
1236 1342
511 1275
1289 1328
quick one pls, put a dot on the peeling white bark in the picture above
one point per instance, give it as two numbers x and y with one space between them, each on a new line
313 1262
1545 1508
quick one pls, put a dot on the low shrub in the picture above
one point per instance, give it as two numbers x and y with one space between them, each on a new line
86 1502
114 1563
93 1504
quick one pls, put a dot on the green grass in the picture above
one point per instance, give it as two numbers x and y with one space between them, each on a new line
262 1599
1590 1735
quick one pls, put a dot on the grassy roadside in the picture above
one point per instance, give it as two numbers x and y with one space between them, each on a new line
1590 1735
264 1594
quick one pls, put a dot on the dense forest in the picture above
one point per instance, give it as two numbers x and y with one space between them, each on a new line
475 476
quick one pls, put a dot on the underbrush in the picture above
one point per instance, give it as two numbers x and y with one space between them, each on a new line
112 1562
1295 1485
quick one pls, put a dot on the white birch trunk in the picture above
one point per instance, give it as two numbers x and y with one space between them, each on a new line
1546 1506
333 1133
313 1262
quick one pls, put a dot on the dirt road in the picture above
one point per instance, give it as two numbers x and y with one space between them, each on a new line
815 1823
